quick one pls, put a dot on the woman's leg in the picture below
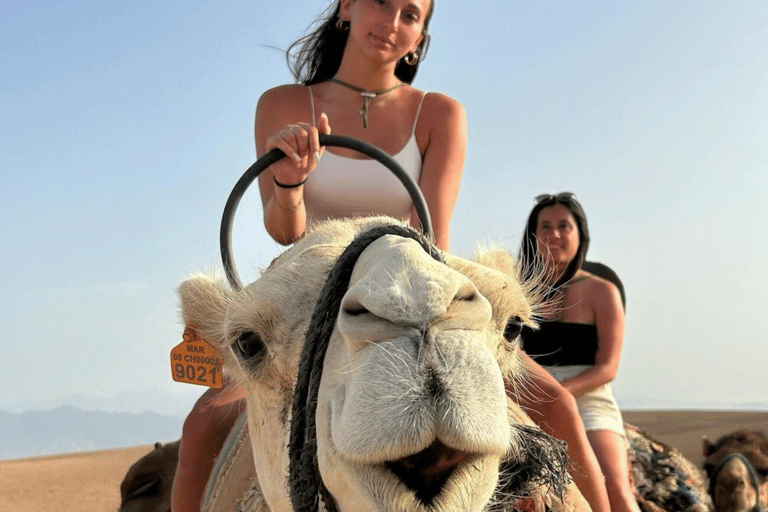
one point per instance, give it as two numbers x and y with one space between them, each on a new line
611 451
204 432
554 410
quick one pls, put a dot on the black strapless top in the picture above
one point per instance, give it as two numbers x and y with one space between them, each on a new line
561 343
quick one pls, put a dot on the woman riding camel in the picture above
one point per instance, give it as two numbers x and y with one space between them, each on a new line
580 336
353 74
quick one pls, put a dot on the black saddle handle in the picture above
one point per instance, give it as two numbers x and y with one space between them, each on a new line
228 218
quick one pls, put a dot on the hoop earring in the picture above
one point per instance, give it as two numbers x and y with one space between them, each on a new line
411 59
340 26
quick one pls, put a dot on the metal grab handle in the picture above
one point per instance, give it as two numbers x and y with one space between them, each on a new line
228 218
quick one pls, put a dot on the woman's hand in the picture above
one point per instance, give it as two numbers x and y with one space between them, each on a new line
301 144
282 195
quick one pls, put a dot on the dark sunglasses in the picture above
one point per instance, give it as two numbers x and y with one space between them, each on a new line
562 196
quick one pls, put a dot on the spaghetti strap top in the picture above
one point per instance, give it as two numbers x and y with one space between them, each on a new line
351 187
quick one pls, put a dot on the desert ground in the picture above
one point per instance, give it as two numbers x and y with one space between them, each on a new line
90 481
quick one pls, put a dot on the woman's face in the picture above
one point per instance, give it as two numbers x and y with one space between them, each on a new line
386 29
557 235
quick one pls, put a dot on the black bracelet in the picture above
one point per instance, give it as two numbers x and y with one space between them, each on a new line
283 185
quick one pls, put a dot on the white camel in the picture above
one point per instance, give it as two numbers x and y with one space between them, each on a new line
396 400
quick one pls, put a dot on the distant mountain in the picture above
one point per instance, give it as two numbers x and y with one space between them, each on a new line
67 429
147 400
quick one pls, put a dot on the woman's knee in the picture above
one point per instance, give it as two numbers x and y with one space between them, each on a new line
611 450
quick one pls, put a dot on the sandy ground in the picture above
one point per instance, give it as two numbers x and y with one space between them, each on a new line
76 482
90 481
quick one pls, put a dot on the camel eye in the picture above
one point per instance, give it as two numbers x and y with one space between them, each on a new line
249 345
513 328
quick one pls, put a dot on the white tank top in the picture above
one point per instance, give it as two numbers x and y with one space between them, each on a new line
349 187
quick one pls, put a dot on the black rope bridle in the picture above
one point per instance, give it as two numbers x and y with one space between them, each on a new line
304 478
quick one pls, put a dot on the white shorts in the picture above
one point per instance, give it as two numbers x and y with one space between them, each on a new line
598 408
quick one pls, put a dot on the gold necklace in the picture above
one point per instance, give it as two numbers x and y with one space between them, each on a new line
367 96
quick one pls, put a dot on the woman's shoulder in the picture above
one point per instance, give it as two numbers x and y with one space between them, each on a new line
588 280
285 94
284 104
595 287
441 114
439 105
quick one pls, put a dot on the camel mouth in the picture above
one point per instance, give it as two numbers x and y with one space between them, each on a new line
425 473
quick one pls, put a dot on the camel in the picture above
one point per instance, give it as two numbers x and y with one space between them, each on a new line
663 478
147 485
737 465
390 395
373 368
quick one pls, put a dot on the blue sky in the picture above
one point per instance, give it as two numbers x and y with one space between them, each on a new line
125 126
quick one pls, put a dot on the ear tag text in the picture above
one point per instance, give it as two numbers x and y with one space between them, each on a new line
195 361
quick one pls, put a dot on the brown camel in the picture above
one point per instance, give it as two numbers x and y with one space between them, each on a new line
147 484
737 465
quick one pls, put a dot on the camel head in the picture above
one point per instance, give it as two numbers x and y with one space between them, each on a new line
148 482
374 368
737 466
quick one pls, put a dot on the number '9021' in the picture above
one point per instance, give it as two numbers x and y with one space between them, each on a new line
194 373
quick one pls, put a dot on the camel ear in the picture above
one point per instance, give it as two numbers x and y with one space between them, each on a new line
497 259
707 447
204 303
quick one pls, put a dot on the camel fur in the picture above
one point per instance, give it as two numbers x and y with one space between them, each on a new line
411 410
663 479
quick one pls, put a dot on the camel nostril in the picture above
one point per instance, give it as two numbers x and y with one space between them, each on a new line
359 311
352 306
466 297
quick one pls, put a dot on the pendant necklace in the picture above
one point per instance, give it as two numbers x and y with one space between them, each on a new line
367 96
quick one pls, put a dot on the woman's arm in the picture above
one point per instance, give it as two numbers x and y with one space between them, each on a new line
554 410
605 301
281 122
443 126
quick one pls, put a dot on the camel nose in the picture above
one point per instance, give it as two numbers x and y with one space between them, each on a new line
397 289
734 487
733 475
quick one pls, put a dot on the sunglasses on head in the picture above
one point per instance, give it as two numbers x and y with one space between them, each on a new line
562 196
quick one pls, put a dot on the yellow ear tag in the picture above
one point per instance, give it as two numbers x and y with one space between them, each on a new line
195 361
